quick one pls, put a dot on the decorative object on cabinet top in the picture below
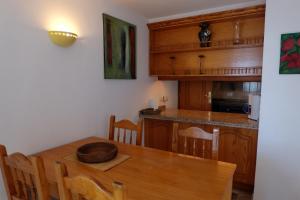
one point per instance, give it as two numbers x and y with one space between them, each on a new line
204 35
236 32
206 117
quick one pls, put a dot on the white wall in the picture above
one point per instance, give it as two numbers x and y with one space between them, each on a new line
51 95
278 164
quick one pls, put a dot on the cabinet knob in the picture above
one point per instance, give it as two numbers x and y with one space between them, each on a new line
208 95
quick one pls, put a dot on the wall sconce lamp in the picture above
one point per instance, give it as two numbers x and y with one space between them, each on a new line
62 38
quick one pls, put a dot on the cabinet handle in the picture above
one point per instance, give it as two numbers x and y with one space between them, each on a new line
208 95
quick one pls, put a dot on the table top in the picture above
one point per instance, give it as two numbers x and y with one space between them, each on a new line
149 173
206 117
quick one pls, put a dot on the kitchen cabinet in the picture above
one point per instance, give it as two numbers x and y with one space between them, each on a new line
195 95
176 54
236 145
158 134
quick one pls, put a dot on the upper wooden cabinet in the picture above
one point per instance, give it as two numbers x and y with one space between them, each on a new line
175 51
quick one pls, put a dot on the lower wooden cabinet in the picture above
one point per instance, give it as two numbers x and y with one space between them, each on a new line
158 134
236 145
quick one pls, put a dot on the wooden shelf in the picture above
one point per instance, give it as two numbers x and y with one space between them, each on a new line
254 78
214 45
222 74
176 53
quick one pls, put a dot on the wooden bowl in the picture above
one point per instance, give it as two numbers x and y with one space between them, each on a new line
97 152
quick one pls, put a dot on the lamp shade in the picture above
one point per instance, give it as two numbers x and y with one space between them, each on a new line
61 38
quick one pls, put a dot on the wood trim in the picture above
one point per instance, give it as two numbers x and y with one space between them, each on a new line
6 173
112 121
253 11
40 177
252 42
126 125
20 162
195 133
23 176
180 90
210 78
60 173
151 39
139 132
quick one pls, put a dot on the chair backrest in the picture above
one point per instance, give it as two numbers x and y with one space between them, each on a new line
82 187
194 135
24 177
123 128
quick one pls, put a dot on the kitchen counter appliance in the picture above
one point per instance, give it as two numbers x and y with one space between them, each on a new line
230 105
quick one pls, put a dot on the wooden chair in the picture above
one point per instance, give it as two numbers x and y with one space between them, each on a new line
81 187
195 134
128 128
24 177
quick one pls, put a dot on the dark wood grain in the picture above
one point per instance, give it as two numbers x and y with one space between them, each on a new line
195 95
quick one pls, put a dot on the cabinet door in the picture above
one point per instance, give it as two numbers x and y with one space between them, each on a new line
239 146
158 134
195 95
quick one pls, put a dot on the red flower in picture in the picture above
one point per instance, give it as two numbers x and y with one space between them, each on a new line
288 44
298 42
294 64
284 58
292 59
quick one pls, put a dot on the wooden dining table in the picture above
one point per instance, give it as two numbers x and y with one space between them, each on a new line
149 174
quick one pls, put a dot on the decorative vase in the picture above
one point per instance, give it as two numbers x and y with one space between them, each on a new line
204 35
236 32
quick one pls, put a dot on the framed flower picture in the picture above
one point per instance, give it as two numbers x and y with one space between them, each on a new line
290 54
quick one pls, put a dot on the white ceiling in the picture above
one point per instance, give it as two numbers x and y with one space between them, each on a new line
160 8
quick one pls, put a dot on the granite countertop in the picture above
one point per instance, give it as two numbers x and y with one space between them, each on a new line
206 117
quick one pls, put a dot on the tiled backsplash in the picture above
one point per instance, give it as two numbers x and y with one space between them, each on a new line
235 90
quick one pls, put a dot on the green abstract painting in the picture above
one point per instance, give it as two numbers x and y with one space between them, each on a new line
119 48
290 54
